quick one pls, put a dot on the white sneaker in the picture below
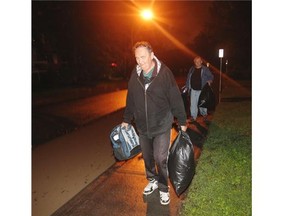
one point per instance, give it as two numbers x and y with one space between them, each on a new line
152 185
164 198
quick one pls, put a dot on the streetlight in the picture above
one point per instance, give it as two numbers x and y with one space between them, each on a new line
147 14
221 55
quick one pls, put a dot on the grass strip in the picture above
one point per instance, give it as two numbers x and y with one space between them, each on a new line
222 184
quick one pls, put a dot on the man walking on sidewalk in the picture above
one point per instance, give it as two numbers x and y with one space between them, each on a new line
197 77
153 100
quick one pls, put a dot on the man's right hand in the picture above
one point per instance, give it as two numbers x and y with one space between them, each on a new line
183 128
124 124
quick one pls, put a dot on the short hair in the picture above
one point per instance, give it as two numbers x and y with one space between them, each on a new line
197 57
143 44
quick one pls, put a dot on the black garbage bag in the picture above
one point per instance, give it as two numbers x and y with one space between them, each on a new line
207 98
181 164
125 142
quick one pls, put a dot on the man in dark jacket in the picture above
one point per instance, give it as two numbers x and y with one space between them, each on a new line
197 77
153 100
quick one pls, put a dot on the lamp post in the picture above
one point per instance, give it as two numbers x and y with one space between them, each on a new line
221 55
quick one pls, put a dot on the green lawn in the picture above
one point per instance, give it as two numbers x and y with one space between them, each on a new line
222 184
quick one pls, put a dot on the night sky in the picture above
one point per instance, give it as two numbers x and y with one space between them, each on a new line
100 20
91 35
182 18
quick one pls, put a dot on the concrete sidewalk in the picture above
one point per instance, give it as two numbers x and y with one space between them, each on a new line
118 191
64 166
72 163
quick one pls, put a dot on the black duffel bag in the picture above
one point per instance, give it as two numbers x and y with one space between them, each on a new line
181 164
207 98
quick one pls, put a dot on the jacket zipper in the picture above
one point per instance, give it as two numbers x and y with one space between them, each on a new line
145 97
146 112
145 100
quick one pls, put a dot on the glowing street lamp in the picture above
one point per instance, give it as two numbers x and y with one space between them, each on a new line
221 55
147 14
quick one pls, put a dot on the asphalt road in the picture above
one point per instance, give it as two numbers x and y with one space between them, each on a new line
61 111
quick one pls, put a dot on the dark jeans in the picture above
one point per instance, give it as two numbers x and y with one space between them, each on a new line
155 154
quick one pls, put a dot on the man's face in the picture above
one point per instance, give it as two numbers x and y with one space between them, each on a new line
198 62
143 58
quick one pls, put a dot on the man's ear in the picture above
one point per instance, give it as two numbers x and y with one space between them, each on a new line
152 55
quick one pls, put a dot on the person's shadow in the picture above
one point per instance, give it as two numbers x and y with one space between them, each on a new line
202 129
196 138
153 205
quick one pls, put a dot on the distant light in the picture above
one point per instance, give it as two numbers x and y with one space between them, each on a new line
147 14
113 64
221 53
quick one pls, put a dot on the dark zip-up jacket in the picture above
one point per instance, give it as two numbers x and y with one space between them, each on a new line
153 108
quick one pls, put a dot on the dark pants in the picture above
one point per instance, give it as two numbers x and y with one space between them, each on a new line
155 154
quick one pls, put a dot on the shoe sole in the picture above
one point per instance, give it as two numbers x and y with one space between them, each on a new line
165 203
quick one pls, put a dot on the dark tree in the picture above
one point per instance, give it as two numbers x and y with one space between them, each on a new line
229 28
